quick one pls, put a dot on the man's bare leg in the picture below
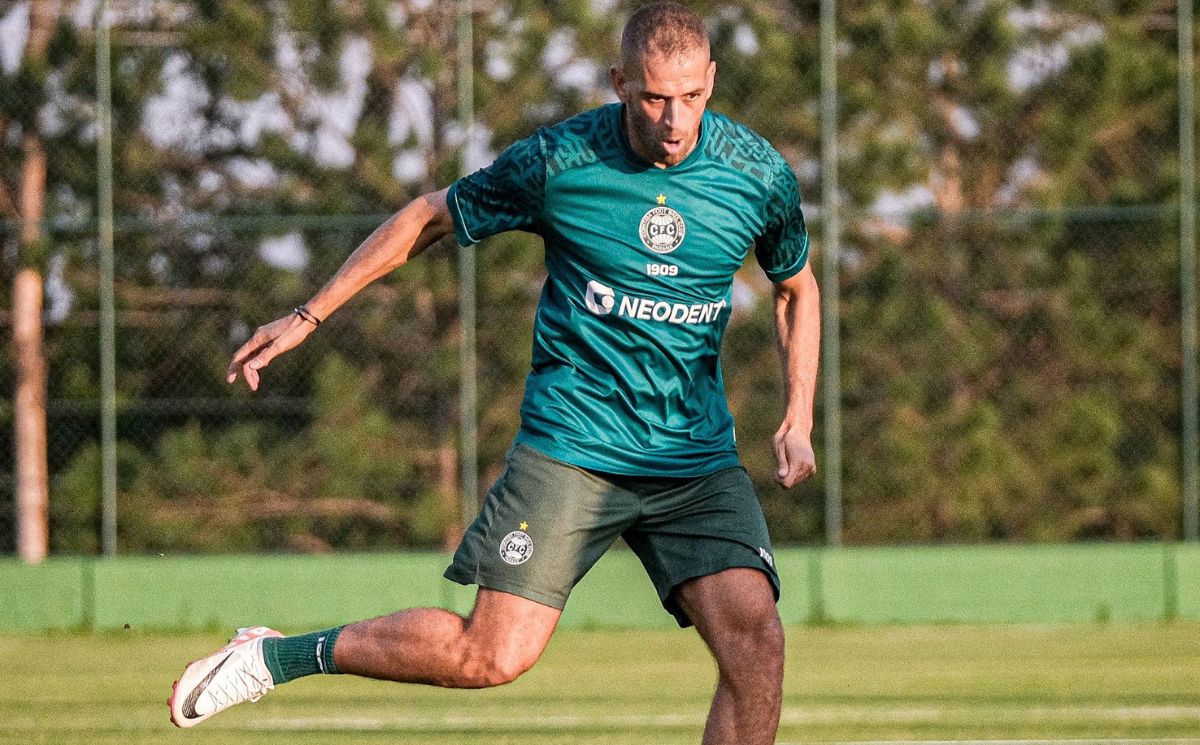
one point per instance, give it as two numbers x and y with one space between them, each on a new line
735 613
502 638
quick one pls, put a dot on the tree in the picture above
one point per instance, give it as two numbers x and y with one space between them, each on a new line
292 108
1004 351
23 197
998 370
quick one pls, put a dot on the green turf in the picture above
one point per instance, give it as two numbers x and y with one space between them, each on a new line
611 687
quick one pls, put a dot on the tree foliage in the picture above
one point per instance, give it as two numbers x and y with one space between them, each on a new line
1008 309
1009 360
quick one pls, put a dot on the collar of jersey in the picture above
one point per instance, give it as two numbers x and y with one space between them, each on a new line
636 160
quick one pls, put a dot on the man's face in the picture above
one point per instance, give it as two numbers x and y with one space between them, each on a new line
664 100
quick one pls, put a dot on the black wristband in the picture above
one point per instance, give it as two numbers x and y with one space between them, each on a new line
307 315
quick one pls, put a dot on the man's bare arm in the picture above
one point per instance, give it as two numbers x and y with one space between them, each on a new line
421 223
798 331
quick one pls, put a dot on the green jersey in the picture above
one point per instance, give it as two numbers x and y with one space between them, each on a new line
626 376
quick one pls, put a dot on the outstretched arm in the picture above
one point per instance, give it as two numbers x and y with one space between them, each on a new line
407 233
798 330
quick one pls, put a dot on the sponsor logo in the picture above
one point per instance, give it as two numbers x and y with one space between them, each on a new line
189 704
516 548
662 229
645 309
602 300
599 299
767 557
321 654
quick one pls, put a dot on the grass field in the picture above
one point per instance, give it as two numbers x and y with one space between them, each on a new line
1095 684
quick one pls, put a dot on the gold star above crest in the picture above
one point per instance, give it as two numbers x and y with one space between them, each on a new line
662 199
524 525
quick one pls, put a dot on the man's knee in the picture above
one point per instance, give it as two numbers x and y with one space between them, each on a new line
750 645
735 612
502 639
495 662
762 633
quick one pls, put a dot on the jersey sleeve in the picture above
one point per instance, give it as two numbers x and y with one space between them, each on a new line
507 195
782 249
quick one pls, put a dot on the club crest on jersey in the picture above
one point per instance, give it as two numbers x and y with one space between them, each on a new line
517 547
662 228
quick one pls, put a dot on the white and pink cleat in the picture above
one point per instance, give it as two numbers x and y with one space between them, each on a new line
232 675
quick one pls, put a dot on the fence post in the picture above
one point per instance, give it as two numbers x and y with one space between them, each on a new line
29 414
831 261
1170 583
468 385
1187 270
104 198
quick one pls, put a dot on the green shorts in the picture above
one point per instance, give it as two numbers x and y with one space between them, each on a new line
544 523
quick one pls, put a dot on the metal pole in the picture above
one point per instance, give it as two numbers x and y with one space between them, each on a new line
108 365
1187 269
831 260
1170 583
468 386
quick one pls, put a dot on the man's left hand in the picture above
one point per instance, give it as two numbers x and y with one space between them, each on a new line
794 452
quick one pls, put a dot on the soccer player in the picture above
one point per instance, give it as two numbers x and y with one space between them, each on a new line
647 207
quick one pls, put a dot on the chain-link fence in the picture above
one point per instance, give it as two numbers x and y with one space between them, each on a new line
1009 260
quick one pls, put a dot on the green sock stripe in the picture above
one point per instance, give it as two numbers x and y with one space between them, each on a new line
292 657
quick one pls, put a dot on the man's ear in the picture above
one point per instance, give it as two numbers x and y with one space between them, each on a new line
617 75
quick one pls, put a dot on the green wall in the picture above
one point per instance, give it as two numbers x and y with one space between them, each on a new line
1005 584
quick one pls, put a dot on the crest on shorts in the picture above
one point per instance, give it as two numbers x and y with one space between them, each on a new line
662 228
517 547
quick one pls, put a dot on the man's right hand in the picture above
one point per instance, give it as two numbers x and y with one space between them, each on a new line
405 234
268 342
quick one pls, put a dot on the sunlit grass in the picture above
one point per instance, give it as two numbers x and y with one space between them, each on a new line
842 684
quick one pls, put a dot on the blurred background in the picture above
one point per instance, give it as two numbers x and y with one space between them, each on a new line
1000 193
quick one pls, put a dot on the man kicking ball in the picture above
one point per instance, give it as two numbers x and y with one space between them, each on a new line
647 208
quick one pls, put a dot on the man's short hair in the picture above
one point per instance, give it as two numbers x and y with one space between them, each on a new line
661 29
